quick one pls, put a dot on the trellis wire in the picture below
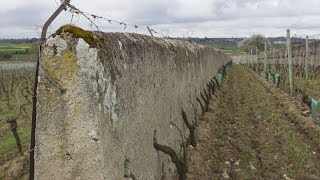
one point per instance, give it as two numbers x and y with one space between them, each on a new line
92 17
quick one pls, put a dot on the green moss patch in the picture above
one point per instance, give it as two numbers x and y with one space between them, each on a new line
77 32
61 69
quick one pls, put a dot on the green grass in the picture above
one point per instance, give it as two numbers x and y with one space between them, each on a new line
298 153
25 177
17 52
232 50
8 143
13 51
14 46
2 175
10 47
227 47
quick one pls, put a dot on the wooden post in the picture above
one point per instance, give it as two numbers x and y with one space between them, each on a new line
265 59
247 59
251 58
273 60
306 66
314 56
273 52
290 61
257 65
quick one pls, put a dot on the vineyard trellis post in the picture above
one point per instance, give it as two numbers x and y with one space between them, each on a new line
265 59
257 65
306 67
289 53
251 58
273 59
273 52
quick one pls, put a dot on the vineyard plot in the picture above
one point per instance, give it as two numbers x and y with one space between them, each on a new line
16 90
305 89
254 130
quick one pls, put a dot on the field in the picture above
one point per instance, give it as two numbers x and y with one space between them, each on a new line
17 51
232 50
13 48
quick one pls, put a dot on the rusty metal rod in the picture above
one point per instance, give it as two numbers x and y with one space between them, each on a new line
51 19
34 103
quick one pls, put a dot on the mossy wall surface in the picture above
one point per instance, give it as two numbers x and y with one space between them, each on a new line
100 100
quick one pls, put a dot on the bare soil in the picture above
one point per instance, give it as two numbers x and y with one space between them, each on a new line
254 131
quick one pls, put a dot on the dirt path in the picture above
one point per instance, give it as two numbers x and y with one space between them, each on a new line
249 133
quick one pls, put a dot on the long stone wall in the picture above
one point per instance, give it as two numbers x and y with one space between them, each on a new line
102 95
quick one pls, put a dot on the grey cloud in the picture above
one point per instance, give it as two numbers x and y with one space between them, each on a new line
235 16
25 16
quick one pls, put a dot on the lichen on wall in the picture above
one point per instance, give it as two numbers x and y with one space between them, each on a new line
60 65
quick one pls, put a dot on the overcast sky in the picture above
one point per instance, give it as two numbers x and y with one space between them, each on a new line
183 18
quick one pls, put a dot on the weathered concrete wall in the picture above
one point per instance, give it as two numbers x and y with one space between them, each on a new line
100 101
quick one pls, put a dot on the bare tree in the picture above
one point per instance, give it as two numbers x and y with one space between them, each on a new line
254 43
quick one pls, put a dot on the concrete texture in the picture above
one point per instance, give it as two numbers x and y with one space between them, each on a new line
98 106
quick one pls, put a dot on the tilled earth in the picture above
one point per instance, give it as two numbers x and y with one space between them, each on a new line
254 131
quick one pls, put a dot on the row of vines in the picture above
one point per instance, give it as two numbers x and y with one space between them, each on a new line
16 92
306 72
